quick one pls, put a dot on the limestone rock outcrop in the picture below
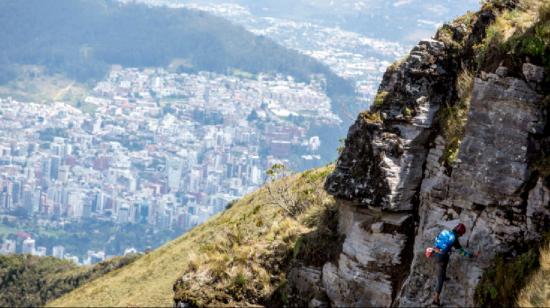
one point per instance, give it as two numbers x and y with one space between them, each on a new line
401 191
396 148
488 190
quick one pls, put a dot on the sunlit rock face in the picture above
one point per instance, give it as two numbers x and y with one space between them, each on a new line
381 165
401 193
491 190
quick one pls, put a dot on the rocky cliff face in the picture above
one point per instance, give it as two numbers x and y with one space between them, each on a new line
402 188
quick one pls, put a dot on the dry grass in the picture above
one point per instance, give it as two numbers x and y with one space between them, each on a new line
380 98
537 291
233 259
372 117
509 23
464 86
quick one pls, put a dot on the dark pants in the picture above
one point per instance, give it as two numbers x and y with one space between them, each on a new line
441 262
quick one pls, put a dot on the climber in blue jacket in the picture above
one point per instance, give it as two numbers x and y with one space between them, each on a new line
443 244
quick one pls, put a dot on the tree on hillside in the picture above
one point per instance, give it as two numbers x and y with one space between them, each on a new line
280 190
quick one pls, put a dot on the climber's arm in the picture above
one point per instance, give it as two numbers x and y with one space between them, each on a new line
461 251
465 253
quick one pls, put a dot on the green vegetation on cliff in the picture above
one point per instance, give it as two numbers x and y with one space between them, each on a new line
501 283
454 118
517 35
517 280
238 257
29 281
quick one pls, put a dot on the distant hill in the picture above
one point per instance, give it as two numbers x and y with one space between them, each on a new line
29 281
406 21
82 38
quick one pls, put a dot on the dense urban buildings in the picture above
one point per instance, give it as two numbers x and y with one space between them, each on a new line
154 147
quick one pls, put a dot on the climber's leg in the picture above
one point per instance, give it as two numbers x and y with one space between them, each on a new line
441 271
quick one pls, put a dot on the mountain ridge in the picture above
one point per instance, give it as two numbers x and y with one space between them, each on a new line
83 38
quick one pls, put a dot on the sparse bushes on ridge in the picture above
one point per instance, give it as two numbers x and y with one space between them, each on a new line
380 98
281 194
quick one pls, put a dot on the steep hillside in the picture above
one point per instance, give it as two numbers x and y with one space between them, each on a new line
238 257
29 281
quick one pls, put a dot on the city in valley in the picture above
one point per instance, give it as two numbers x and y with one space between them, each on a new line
146 154
151 147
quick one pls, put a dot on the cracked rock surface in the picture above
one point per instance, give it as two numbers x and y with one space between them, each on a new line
400 194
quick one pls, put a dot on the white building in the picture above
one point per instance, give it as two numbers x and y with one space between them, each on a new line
71 258
75 203
29 246
8 247
131 250
58 252
95 257
123 214
174 169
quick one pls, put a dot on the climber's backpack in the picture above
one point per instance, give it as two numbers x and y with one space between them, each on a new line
444 241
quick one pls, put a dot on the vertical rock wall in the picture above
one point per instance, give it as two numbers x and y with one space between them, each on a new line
401 196
490 190
381 164
381 171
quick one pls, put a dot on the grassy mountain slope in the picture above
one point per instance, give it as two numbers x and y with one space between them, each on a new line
537 291
82 38
33 281
238 257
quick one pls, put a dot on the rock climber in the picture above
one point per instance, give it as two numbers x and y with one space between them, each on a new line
444 242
